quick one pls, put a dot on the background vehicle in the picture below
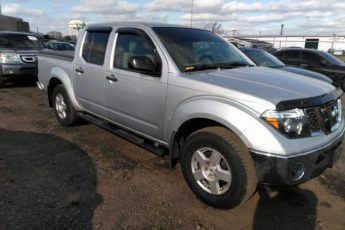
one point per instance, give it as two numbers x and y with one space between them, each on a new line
230 124
263 58
315 60
59 45
18 59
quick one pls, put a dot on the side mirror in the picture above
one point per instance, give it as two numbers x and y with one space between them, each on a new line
323 63
142 64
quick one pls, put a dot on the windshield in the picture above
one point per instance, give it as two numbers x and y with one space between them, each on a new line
332 59
263 58
195 49
61 46
19 41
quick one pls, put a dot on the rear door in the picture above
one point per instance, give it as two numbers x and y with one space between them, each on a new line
90 70
136 99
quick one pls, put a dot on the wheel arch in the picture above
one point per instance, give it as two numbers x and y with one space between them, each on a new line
59 76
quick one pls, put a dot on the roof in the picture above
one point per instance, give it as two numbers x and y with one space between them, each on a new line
145 24
15 32
302 49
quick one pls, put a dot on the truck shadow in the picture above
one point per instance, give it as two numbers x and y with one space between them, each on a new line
285 208
45 183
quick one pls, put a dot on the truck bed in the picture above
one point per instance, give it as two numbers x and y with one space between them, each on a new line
58 63
59 54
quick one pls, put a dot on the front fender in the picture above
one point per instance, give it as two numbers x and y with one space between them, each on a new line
62 76
237 117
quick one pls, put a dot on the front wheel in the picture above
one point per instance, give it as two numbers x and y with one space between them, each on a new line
218 168
63 109
2 82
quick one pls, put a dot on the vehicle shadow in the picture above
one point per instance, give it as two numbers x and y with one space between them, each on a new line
46 182
285 208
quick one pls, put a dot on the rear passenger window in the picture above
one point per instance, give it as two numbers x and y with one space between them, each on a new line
95 46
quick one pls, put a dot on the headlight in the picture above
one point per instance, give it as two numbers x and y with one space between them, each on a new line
9 58
292 123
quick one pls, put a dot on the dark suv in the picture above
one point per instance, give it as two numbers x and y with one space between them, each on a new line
315 60
18 56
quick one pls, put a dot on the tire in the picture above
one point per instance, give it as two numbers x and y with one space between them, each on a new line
223 167
2 82
63 109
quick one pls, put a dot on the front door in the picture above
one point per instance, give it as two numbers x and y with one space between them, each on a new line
134 98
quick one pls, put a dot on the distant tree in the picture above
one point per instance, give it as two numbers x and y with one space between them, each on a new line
68 38
215 27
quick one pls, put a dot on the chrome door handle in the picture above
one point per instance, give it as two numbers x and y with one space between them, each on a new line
111 77
79 70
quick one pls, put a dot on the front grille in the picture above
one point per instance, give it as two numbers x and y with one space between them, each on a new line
324 119
313 121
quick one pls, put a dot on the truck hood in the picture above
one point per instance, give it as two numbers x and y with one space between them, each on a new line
255 83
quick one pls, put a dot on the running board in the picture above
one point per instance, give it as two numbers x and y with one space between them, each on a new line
146 144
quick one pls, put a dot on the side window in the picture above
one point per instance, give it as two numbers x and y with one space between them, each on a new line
95 46
311 58
292 55
87 46
130 45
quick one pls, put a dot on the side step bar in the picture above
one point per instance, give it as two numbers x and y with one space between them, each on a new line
146 144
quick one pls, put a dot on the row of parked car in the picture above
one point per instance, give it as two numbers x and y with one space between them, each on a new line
18 58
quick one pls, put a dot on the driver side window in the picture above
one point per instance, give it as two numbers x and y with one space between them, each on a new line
132 45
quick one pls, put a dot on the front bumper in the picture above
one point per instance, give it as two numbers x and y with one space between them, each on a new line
282 170
15 71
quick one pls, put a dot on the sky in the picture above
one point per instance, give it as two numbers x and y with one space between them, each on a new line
309 17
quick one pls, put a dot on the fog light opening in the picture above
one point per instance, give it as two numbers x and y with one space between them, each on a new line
9 70
297 171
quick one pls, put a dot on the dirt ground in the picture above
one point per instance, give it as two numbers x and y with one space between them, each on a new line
84 177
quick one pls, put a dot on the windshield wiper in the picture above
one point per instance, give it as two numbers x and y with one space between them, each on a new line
229 65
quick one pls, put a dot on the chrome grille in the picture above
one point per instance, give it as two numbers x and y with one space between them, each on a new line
325 119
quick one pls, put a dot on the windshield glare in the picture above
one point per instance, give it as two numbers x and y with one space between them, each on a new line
263 58
19 41
195 47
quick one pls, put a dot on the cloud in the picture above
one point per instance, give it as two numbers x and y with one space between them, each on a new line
106 7
17 11
308 16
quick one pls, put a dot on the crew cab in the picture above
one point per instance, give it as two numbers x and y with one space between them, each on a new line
18 57
189 94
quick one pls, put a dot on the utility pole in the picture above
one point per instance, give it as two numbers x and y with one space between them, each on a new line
191 15
281 29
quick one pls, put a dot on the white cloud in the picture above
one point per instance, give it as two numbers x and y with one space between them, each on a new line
17 10
248 17
106 7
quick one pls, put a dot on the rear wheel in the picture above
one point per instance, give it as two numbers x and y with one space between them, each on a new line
63 109
218 168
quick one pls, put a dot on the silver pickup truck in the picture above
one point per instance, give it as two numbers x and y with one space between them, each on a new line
190 94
